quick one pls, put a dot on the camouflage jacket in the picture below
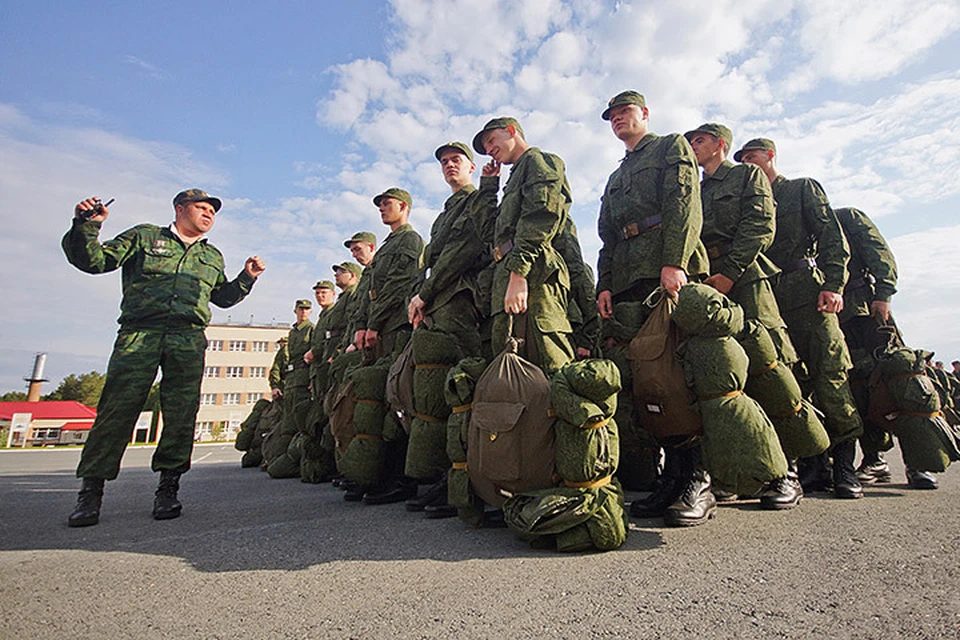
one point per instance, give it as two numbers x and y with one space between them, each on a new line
298 343
808 228
650 215
739 222
393 278
534 209
166 283
330 333
872 267
457 253
278 371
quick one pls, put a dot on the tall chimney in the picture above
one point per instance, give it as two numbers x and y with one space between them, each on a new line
36 380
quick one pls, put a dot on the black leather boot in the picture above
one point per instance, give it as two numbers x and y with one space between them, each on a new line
87 511
814 473
845 482
436 493
874 469
695 505
165 505
676 461
782 493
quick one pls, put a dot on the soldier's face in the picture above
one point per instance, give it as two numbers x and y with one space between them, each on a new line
195 218
362 252
629 121
759 157
302 313
457 168
705 146
343 278
391 210
501 145
324 296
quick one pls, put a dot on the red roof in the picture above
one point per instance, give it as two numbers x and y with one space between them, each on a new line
53 410
76 426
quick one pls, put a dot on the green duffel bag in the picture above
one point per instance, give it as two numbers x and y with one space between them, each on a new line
458 391
928 443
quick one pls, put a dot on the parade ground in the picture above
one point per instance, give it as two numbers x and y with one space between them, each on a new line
253 558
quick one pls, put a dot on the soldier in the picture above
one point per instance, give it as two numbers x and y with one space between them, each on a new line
278 370
295 394
383 326
170 277
812 254
650 221
448 302
315 465
739 219
530 276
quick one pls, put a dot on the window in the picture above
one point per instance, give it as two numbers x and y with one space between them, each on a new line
258 372
203 429
252 398
211 372
208 398
238 345
215 345
259 347
231 398
234 372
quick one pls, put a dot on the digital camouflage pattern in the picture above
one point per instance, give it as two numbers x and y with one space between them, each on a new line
392 278
872 269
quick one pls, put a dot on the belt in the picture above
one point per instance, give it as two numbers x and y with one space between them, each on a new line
865 281
296 366
634 229
502 250
803 263
719 249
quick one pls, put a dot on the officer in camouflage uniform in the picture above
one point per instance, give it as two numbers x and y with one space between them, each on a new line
650 221
812 254
530 276
739 222
448 302
170 277
383 326
295 394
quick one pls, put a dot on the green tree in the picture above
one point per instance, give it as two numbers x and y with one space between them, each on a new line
14 396
84 388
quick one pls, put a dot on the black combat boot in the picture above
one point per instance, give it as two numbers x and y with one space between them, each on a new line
165 505
814 473
782 493
873 469
436 493
845 483
668 486
921 479
87 511
695 505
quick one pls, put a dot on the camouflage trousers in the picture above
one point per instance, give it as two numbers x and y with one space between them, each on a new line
759 303
822 348
136 356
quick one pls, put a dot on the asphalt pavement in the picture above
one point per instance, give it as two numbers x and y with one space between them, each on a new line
254 558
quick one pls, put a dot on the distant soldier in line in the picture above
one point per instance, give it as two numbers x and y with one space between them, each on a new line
650 222
170 276
812 254
448 299
739 219
530 279
278 370
315 465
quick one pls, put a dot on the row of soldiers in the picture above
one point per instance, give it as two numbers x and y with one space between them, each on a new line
815 281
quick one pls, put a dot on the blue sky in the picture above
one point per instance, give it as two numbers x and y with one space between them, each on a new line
297 113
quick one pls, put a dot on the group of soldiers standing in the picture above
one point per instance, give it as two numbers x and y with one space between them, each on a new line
815 281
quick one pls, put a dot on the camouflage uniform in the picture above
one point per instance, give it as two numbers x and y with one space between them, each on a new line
582 306
534 209
167 290
812 253
296 395
278 370
650 217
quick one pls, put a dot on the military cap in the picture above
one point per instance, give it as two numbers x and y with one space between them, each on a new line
394 192
496 123
757 143
454 146
324 284
718 131
196 195
281 339
304 304
625 97
353 268
360 236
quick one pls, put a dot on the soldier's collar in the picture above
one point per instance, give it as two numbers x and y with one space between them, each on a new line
644 141
176 232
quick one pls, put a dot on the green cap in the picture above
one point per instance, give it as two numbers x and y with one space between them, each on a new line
718 131
360 236
353 268
304 304
496 123
394 192
454 146
625 97
324 284
757 143
196 195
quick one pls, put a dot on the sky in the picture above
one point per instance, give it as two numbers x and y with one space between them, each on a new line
297 113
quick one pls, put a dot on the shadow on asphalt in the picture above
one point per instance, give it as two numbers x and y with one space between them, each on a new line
241 520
